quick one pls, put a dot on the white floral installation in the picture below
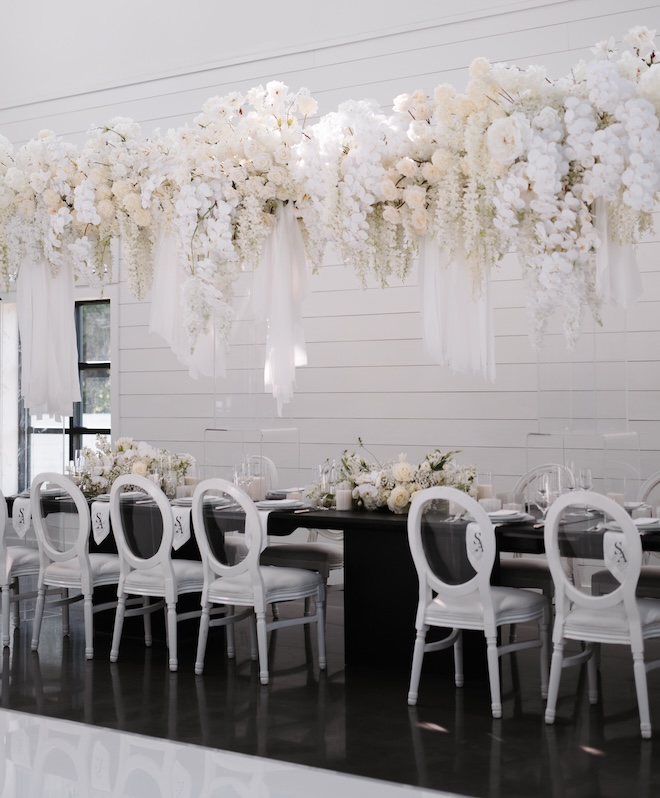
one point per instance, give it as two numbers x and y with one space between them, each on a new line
394 483
516 161
106 461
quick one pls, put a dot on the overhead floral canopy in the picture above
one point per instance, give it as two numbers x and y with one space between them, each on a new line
565 172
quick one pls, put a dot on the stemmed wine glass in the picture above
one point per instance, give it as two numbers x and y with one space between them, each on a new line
585 481
547 490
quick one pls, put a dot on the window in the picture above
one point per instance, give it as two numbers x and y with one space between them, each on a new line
49 444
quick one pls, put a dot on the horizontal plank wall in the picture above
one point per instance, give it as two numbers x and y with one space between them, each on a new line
367 373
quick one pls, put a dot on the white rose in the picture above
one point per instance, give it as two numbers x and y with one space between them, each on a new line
403 471
139 468
399 499
262 162
282 154
278 175
402 103
388 190
420 220
414 197
407 167
505 139
391 215
431 173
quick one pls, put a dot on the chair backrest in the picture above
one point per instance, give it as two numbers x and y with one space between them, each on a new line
533 474
218 517
3 526
477 541
649 486
54 522
622 555
153 495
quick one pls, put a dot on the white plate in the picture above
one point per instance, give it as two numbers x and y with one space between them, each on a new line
633 505
640 523
279 504
184 501
102 497
505 514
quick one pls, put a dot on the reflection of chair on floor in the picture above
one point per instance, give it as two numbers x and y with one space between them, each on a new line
617 617
61 758
469 604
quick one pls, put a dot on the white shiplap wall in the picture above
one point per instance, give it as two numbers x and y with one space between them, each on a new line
368 375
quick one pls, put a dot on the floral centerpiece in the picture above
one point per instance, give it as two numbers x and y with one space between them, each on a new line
394 483
104 463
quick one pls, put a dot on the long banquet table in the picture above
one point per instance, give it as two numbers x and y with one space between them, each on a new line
380 582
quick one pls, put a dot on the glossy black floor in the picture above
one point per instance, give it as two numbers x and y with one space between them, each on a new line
351 720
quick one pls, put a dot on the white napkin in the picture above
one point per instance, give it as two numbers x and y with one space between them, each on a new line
21 516
181 526
100 520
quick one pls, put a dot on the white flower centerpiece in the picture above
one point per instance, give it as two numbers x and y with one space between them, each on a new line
394 483
104 463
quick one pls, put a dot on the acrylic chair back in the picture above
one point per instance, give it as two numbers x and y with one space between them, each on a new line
3 529
130 559
220 508
622 554
478 541
57 539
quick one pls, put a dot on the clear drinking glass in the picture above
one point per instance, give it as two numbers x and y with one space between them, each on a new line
548 488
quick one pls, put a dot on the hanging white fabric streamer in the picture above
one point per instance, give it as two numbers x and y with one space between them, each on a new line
618 282
279 289
49 370
457 321
166 319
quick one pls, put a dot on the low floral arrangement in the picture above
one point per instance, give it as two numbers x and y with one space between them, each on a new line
394 483
104 463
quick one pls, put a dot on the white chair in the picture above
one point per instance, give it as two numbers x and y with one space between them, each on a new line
248 583
472 604
158 575
617 617
64 559
16 561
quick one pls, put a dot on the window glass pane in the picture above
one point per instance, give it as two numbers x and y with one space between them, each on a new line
95 389
95 333
48 453
48 422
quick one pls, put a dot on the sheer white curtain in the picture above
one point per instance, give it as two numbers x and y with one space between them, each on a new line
49 369
457 316
279 288
166 317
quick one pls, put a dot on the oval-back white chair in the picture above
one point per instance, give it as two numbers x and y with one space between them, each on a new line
158 575
533 474
471 604
617 617
64 560
16 560
248 583
649 486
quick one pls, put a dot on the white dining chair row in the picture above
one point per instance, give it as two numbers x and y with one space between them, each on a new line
231 589
617 617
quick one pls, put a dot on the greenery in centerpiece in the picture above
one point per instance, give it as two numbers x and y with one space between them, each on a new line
104 463
394 483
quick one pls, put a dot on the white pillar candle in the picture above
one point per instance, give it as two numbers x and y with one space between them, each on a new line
484 491
617 497
258 489
344 499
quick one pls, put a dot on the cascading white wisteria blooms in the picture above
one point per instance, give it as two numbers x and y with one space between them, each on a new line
518 161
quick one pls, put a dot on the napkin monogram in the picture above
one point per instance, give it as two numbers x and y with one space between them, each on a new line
100 520
21 516
181 526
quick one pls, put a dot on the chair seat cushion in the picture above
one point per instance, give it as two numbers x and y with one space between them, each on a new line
22 559
589 624
189 575
280 583
648 586
321 557
104 570
510 604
